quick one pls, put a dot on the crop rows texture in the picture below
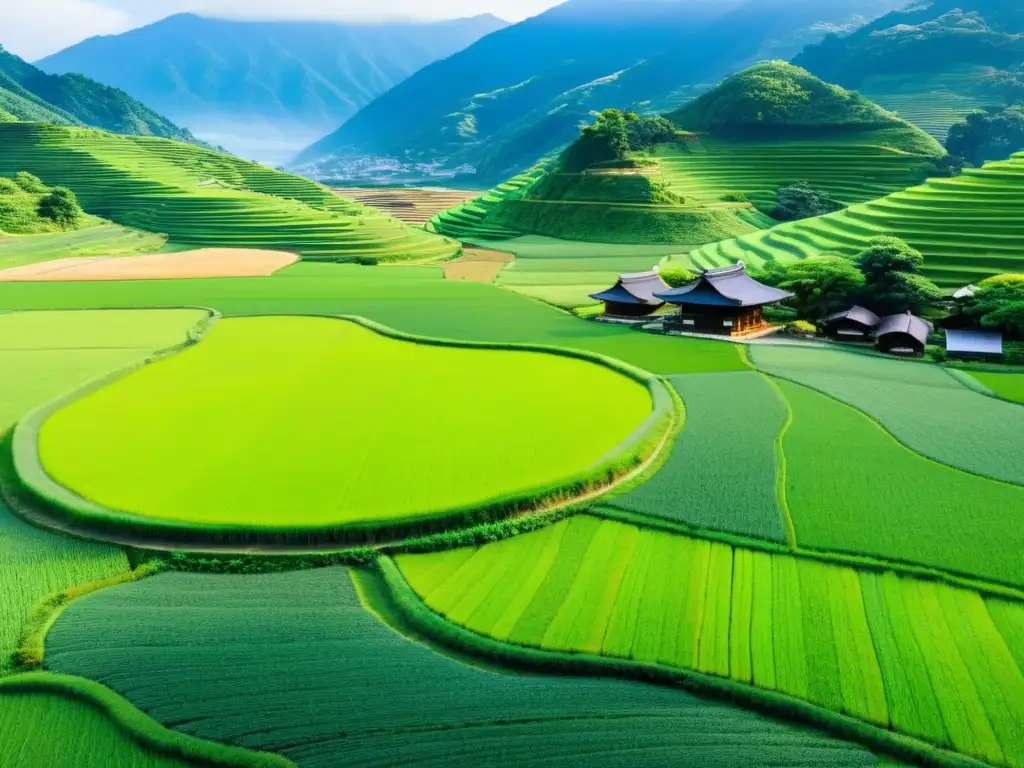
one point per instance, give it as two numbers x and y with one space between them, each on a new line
293 663
851 169
1009 386
968 228
932 103
150 443
406 299
852 488
924 407
44 355
722 472
921 657
99 240
204 198
467 221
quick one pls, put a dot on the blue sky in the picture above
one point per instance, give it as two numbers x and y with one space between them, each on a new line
35 28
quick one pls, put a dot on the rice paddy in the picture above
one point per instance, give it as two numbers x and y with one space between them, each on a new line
102 240
968 227
923 658
270 406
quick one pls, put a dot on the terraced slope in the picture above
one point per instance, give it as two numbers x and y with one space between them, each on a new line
969 228
413 205
203 198
932 104
468 220
852 168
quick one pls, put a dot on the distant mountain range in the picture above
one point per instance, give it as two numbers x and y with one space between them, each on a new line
265 89
522 92
27 93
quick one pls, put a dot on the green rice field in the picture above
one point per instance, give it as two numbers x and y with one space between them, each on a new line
466 221
291 396
100 240
925 659
1009 386
202 198
968 227
335 683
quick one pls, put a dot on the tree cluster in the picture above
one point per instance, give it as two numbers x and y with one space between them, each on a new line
989 134
613 136
999 303
60 205
802 201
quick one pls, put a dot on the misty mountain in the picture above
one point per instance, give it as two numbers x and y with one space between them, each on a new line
492 111
253 85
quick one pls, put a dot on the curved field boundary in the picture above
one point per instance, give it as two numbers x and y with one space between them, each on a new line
138 726
438 629
66 507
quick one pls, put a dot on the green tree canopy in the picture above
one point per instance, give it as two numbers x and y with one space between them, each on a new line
990 134
802 201
893 282
889 254
821 285
60 206
999 303
604 141
677 277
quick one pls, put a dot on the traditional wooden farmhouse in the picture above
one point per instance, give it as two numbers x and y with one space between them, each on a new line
723 302
633 295
974 345
903 334
855 324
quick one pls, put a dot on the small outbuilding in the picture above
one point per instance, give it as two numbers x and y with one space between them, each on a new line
724 302
633 296
854 324
967 292
904 334
974 345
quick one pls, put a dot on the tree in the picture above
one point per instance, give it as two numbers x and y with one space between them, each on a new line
645 132
677 277
60 206
893 282
605 141
802 201
821 285
990 134
999 303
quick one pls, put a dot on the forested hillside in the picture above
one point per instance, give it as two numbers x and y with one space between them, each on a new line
493 111
241 82
28 93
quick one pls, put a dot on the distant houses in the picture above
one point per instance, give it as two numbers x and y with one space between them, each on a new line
854 324
904 334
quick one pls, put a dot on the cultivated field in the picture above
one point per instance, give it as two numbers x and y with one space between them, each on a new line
203 262
202 198
149 444
413 205
100 240
969 227
466 220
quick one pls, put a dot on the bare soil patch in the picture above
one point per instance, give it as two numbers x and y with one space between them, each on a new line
204 262
412 205
477 265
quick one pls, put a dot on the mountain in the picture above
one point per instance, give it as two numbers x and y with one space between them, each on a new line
28 93
934 62
492 111
264 88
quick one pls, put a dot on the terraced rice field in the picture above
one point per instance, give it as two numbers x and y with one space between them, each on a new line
852 170
932 104
99 240
337 685
922 406
722 474
413 205
277 409
466 221
44 355
1009 386
923 658
202 198
969 228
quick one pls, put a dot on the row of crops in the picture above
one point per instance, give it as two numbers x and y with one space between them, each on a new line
203 198
969 227
466 221
933 661
852 169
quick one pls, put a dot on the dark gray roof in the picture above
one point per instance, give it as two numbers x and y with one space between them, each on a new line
728 286
974 342
905 323
637 288
857 315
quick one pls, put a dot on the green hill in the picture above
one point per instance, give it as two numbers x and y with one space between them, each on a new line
468 221
969 228
28 93
931 62
203 198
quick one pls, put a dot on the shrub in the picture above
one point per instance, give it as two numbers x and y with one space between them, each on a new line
29 183
677 277
60 206
8 187
802 201
735 197
999 303
800 328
